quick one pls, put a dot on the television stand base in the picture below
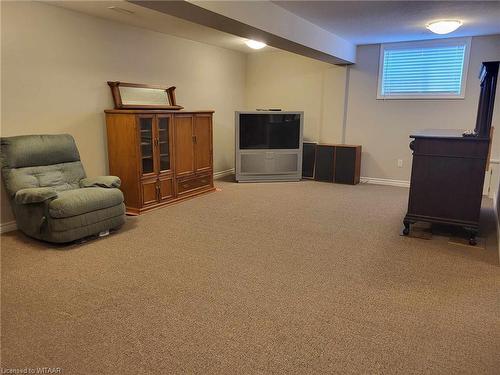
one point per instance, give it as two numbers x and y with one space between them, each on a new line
267 179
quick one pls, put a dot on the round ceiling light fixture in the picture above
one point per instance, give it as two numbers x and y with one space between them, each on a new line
255 44
443 26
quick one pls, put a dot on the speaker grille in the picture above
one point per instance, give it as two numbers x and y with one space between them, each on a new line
253 163
324 163
269 163
345 165
286 163
308 159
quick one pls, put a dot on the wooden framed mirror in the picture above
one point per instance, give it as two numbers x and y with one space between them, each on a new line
141 96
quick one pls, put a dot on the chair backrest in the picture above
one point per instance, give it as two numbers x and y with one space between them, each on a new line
39 161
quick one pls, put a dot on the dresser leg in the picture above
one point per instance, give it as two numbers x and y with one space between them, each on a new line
472 236
406 230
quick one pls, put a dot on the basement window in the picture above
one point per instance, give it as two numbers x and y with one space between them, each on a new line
434 69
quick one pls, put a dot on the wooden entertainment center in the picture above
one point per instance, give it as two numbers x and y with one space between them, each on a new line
161 156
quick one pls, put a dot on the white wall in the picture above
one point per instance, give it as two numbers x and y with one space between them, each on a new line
383 126
291 82
55 64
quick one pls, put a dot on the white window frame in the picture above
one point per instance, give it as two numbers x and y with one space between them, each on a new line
426 43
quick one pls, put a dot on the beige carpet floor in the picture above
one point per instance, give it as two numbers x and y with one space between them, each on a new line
283 278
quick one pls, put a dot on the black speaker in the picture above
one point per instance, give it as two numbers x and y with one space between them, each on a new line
308 159
324 163
347 164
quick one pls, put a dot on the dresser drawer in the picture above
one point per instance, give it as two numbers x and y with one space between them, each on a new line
186 185
456 148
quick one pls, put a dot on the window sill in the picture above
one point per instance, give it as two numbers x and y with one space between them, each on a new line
430 97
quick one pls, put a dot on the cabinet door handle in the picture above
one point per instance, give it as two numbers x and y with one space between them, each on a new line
194 139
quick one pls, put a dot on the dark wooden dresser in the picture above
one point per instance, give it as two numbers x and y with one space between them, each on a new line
449 167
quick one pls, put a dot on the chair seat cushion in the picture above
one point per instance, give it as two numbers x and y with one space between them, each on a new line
84 220
80 201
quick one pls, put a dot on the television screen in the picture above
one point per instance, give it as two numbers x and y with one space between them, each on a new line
269 131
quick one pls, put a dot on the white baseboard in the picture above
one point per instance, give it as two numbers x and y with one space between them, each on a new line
8 227
225 173
385 181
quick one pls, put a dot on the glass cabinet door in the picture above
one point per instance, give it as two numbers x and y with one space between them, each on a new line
164 142
147 141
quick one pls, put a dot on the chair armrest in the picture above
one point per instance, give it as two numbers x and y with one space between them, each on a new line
101 181
34 195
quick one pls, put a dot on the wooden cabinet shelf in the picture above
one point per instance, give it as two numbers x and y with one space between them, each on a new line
161 156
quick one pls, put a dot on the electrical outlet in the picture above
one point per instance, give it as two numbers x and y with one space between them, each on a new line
400 163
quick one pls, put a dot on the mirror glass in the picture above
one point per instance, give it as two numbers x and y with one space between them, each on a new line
143 96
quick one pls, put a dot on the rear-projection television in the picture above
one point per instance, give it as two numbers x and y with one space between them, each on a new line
269 145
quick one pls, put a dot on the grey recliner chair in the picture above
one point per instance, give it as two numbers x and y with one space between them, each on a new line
50 195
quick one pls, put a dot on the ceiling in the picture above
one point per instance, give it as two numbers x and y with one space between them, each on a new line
367 22
153 20
357 22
